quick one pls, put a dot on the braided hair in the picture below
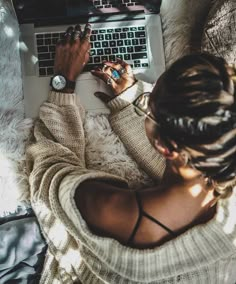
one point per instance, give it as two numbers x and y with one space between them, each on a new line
194 105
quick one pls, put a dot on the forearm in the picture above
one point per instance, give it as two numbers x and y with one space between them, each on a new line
130 127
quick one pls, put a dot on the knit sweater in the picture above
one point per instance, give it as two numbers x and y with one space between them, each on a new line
56 163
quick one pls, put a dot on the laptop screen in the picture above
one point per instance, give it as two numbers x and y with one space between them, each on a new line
64 11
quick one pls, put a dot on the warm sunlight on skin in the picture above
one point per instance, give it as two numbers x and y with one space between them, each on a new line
195 190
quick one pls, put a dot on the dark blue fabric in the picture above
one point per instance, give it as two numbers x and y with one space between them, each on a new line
22 251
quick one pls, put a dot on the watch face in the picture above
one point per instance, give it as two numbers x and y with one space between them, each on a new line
59 82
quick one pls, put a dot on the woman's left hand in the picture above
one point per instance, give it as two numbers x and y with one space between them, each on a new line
118 75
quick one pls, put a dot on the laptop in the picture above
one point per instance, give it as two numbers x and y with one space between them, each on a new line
128 29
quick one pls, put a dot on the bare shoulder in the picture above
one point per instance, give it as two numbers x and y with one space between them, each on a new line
109 209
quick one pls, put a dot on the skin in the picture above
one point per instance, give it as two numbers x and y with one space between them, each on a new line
182 200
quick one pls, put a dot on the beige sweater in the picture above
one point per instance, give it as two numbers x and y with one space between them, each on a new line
56 163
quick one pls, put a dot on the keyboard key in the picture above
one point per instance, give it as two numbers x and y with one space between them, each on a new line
100 52
141 28
127 57
42 71
110 30
112 43
112 58
115 50
97 44
53 55
133 28
54 40
104 58
47 35
145 65
118 30
108 37
130 34
52 48
48 41
142 40
93 37
115 36
39 36
102 31
104 44
125 29
130 49
42 49
55 35
107 51
100 37
140 34
94 32
122 49
140 48
90 60
46 63
127 42
120 43
123 35
40 42
43 56
135 41
50 71
97 59
139 55
92 52
137 61
136 65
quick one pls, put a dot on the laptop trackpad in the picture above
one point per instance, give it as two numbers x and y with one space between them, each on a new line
85 90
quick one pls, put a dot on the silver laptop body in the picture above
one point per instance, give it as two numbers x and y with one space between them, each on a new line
148 68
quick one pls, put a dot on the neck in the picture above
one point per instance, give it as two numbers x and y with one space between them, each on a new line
190 182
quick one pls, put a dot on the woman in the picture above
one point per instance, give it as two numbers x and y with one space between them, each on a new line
181 230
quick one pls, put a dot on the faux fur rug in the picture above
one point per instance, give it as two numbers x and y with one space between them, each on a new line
104 150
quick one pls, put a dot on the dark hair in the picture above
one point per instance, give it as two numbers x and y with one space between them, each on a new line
195 106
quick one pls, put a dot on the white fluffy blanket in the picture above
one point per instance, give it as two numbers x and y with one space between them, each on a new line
104 149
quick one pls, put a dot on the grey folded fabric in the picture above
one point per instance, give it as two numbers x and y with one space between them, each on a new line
22 251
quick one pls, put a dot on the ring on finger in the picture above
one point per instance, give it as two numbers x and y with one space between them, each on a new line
109 81
122 71
104 68
115 74
77 34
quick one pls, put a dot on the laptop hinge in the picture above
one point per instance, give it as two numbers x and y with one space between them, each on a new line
140 15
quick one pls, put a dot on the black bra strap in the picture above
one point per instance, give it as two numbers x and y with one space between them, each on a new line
142 213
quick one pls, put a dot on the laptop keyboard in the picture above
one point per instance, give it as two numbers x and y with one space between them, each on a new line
99 4
127 43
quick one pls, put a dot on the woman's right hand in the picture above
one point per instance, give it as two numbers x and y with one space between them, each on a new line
118 75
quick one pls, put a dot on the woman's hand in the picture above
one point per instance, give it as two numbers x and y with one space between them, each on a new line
118 75
72 52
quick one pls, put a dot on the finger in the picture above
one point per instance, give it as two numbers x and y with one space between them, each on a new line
67 36
103 97
77 33
87 32
104 77
124 65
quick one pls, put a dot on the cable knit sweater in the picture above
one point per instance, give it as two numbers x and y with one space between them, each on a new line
56 164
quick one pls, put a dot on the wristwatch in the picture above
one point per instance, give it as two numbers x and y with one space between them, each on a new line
60 82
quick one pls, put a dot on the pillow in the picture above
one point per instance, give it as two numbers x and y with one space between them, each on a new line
219 36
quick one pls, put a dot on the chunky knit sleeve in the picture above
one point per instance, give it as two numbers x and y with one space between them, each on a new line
130 127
